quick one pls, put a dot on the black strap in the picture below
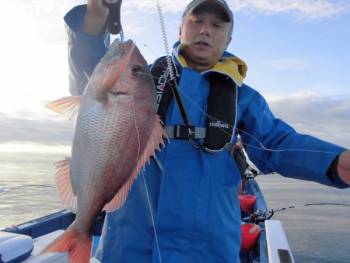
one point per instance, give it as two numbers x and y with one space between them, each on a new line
161 77
221 109
165 101
221 105
173 87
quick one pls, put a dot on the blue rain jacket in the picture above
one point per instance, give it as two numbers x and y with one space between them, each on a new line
192 195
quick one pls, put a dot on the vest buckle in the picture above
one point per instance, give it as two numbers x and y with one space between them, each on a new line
184 132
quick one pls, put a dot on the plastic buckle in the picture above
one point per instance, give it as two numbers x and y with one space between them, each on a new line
182 132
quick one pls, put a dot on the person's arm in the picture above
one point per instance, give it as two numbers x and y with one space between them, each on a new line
87 42
95 18
287 152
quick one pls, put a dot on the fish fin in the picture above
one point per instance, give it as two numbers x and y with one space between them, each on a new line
67 105
64 185
153 144
76 244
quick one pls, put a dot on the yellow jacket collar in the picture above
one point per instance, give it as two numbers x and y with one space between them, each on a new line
229 65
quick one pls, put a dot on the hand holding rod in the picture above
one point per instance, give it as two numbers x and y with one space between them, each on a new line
113 21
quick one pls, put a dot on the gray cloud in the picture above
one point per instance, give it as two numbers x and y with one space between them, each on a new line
325 117
295 64
42 131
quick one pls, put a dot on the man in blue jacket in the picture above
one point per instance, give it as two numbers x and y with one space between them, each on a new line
194 182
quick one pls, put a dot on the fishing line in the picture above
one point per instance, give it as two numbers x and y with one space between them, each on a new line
172 77
154 53
144 179
136 127
152 216
262 146
333 190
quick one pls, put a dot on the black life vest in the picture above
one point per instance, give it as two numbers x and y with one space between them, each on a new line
221 106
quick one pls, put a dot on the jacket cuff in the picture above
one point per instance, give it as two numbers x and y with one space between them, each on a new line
332 174
74 20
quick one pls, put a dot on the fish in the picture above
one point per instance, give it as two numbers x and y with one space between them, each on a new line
117 131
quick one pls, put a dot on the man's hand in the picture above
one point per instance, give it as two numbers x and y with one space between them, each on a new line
343 168
95 19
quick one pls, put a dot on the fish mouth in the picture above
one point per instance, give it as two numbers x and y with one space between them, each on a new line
125 47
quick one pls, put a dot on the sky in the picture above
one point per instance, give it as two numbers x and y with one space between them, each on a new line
297 51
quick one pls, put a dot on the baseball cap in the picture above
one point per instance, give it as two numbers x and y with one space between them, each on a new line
221 5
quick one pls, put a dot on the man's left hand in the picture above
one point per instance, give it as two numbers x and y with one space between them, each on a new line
343 168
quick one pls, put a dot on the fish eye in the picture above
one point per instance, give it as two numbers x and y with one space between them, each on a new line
136 69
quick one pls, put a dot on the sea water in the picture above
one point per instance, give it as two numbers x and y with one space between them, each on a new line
319 234
316 234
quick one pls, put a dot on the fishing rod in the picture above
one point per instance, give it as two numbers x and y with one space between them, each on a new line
277 210
172 68
260 216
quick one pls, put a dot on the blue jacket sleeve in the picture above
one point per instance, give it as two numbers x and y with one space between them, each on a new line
84 51
274 146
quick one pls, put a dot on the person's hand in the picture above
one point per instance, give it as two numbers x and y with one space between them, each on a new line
96 16
343 168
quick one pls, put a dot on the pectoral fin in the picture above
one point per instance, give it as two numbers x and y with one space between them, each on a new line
67 105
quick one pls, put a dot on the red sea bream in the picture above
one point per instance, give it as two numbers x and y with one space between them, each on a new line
116 132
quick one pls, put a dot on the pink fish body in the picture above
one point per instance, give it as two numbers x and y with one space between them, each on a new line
116 132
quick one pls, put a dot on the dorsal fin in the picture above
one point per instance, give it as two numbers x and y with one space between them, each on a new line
153 144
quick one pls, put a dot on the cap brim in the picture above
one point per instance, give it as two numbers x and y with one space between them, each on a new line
213 7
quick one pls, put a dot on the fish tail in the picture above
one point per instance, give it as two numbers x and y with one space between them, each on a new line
76 244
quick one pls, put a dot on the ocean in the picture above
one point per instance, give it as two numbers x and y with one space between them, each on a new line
317 234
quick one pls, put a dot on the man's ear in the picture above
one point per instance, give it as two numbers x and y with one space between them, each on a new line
180 31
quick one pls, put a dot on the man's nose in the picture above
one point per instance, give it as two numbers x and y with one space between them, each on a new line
205 29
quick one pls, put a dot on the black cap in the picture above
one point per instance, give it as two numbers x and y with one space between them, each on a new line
228 15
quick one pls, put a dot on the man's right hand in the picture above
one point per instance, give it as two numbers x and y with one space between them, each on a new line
95 19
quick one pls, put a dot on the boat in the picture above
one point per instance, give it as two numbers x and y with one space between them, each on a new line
263 240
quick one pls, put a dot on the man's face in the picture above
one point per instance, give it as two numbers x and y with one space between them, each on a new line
206 36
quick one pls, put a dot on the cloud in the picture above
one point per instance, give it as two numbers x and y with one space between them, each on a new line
311 9
40 131
41 21
303 8
324 117
288 64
